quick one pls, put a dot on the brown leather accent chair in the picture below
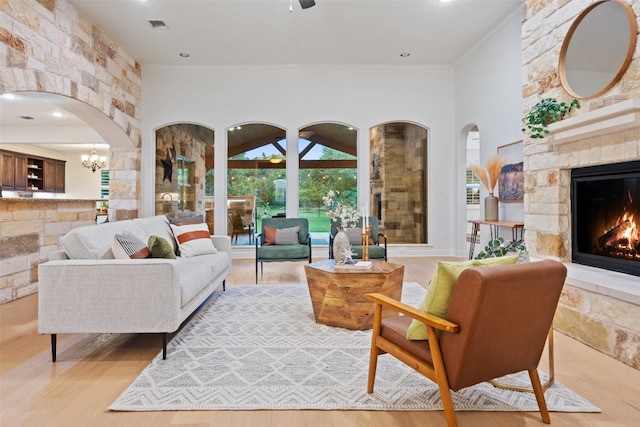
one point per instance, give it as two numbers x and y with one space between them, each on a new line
497 324
239 225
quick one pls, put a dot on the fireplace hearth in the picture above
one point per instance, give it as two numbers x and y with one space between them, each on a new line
605 213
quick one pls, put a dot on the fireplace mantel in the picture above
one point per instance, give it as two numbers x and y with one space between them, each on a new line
603 121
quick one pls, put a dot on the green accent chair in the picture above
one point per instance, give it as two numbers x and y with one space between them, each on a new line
376 251
279 253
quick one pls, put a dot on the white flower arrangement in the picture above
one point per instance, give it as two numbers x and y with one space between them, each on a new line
348 214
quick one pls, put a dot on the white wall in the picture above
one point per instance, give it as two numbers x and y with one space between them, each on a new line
293 97
80 182
488 90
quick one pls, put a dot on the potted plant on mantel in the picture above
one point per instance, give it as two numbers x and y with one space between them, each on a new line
545 112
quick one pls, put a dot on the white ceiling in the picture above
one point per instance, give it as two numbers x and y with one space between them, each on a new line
264 32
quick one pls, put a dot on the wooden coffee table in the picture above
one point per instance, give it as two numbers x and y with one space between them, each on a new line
337 295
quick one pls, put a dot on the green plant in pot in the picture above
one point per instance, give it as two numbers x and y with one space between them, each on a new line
498 247
545 112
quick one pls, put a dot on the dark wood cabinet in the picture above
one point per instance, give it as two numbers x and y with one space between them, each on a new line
54 175
61 167
22 172
7 170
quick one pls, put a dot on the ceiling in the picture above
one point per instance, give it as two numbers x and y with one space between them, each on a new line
265 33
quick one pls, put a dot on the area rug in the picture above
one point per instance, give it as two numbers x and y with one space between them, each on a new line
258 347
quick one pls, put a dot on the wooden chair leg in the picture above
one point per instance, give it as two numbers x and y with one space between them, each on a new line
373 365
539 393
374 352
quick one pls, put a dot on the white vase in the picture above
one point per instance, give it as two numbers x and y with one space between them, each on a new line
491 208
340 245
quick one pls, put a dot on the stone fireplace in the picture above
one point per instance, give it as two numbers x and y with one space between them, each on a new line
599 307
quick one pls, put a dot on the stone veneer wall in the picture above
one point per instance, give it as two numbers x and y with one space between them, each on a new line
605 323
401 180
49 46
29 230
187 145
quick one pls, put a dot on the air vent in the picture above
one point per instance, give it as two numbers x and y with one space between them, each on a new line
27 117
158 25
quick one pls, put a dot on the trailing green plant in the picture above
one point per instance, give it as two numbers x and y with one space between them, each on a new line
545 112
498 247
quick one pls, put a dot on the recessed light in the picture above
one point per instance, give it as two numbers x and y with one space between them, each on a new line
57 114
185 54
405 54
9 96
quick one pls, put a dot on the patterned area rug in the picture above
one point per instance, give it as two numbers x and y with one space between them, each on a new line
258 347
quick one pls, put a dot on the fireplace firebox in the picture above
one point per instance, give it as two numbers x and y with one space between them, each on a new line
605 214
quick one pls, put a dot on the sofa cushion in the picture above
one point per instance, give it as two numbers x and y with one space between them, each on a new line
160 248
284 252
157 226
444 278
127 246
95 241
196 273
193 239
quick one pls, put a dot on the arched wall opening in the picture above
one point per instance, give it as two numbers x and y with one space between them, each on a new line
399 180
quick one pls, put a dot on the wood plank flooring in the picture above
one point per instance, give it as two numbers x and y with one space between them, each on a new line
92 370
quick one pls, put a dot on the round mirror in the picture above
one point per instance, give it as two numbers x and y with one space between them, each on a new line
598 48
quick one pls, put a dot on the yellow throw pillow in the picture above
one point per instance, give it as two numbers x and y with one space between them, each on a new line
444 278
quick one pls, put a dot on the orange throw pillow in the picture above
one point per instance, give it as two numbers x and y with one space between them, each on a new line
269 235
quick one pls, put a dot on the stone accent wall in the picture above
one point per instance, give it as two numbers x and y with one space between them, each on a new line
184 142
29 231
399 176
605 323
49 46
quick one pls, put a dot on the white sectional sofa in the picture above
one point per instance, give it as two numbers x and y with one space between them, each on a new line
83 289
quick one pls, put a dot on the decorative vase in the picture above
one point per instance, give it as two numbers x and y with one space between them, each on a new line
340 245
491 208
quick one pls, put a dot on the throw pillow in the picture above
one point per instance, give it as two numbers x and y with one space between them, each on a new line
193 239
444 278
160 248
127 246
287 236
355 236
269 235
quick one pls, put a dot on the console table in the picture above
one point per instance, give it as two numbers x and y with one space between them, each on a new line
517 228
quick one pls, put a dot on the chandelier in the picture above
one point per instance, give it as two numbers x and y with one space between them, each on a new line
93 161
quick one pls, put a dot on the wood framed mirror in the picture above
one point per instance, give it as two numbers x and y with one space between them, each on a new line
598 48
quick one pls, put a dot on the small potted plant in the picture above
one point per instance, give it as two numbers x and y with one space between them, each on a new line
545 112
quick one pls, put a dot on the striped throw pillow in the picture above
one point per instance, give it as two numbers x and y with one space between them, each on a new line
193 239
126 245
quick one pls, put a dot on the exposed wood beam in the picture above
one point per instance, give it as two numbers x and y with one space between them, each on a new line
304 164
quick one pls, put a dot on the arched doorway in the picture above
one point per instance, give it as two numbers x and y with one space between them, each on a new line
327 154
184 171
256 176
399 180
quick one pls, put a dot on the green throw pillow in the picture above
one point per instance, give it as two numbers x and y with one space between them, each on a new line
444 278
160 248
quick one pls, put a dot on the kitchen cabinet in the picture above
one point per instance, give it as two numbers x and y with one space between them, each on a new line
23 172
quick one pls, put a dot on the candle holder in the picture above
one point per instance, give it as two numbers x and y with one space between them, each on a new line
365 243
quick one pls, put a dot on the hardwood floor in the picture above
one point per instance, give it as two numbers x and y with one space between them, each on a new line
92 370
